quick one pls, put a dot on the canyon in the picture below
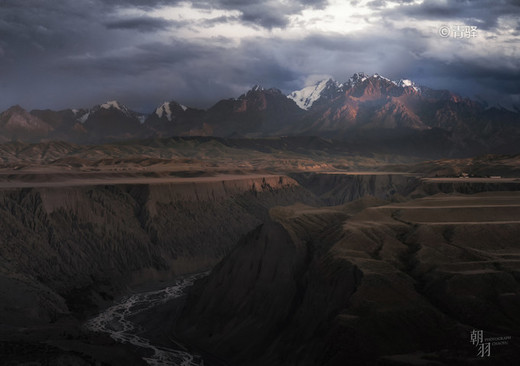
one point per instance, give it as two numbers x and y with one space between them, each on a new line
313 260
368 282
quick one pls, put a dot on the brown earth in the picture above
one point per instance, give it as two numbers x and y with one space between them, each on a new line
82 223
366 283
67 249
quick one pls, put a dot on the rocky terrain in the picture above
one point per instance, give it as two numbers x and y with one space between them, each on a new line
369 113
81 238
84 224
67 250
74 240
367 283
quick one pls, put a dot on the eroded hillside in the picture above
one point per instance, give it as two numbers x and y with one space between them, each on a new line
86 240
367 283
73 240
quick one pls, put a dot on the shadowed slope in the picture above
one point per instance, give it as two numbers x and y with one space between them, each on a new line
366 285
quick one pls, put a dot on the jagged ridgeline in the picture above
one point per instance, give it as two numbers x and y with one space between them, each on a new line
363 110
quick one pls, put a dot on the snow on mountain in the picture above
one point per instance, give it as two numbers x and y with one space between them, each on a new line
257 88
330 88
164 110
169 110
356 79
84 117
112 104
81 114
306 97
407 83
360 77
377 76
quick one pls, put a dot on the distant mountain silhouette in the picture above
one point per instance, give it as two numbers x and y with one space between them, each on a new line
365 111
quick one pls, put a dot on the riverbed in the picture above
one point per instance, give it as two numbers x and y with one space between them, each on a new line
119 322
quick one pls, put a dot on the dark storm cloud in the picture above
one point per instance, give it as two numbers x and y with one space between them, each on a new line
37 35
54 26
266 14
486 75
389 53
150 57
495 86
58 54
377 4
194 74
199 75
137 3
62 53
218 20
396 53
485 13
144 24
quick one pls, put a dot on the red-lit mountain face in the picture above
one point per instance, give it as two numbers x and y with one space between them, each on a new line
365 111
17 123
259 112
377 102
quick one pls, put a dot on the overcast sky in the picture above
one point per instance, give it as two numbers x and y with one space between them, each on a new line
78 53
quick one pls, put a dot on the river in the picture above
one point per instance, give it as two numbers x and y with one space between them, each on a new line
116 321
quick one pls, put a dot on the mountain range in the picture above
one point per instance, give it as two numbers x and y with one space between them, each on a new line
365 110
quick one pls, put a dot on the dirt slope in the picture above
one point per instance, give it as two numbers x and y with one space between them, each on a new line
366 284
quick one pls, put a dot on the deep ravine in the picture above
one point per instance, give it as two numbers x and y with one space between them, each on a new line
117 321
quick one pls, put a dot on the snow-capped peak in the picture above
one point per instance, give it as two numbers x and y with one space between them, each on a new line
83 118
306 97
113 104
403 83
377 76
357 78
257 88
360 77
167 110
164 110
80 114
